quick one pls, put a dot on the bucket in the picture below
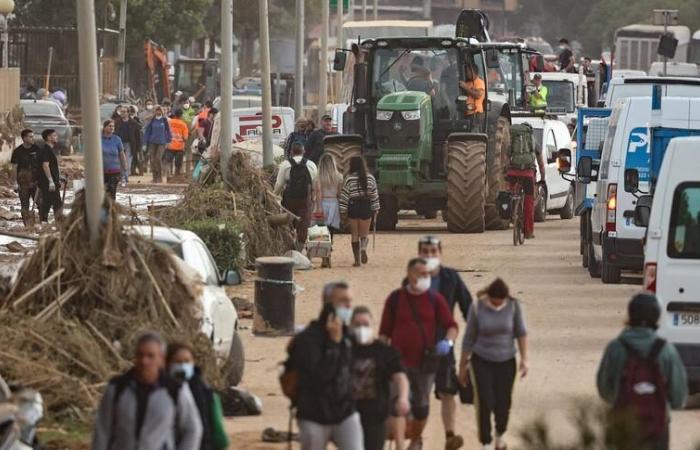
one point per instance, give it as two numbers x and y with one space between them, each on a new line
274 296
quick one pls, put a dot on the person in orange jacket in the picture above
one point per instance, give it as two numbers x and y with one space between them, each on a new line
176 149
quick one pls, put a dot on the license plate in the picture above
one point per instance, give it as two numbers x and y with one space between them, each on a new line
686 319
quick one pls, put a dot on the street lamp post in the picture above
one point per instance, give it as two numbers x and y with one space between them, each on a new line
6 8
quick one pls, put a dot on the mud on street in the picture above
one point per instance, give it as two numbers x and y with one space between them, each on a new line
570 318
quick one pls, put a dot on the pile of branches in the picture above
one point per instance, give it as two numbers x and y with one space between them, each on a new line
70 320
11 125
246 202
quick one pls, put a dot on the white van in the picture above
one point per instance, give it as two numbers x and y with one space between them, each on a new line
620 88
556 196
674 69
247 123
616 242
672 254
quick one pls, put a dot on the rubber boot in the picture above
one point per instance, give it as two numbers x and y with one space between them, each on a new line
25 217
356 254
364 242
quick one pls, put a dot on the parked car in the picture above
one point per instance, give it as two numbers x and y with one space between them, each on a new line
672 252
40 115
556 196
220 319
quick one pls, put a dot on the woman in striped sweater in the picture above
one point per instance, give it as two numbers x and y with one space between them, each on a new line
359 202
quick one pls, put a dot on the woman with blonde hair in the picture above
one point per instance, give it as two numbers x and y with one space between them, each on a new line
326 192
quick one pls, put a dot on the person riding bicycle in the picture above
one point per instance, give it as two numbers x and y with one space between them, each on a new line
522 170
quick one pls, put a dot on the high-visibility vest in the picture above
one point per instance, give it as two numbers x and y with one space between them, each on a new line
539 101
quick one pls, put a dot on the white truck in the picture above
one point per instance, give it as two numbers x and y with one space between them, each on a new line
566 93
672 251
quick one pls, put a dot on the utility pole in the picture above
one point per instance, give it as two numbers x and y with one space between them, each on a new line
323 67
339 32
338 86
427 9
90 107
299 67
364 10
268 156
122 49
376 9
226 140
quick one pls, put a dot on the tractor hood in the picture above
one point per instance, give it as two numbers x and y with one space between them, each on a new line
403 101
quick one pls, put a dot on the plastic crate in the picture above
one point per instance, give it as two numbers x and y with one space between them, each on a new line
318 243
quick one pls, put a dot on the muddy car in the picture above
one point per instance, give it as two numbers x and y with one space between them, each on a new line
40 115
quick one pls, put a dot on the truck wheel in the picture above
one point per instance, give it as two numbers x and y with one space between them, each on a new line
593 265
342 152
584 242
466 186
541 204
496 177
388 216
567 212
236 361
609 274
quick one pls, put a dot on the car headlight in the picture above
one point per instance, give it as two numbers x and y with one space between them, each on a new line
384 115
411 115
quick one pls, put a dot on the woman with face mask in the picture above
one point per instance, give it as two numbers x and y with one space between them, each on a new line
375 366
181 366
157 136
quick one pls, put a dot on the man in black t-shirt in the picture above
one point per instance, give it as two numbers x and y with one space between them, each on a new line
49 179
25 160
375 366
566 57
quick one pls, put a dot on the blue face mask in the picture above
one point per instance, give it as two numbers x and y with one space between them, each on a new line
182 370
344 314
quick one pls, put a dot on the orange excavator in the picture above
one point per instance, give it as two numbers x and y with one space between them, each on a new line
158 70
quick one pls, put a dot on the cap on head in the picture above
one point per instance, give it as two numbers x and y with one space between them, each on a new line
643 311
564 41
326 117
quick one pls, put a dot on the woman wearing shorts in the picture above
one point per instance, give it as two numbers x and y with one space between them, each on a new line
327 189
359 202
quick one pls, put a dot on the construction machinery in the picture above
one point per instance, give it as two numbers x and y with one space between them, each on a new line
427 153
158 70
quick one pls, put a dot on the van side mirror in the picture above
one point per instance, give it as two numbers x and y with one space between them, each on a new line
584 170
631 181
232 277
642 211
564 160
339 60
492 60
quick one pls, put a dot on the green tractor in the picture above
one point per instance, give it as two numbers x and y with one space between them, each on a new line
409 119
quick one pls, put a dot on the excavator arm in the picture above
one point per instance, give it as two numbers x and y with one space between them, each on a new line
158 70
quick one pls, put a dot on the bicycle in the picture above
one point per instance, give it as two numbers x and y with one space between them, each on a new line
517 217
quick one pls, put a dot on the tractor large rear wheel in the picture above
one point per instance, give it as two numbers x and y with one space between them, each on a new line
466 186
342 152
496 176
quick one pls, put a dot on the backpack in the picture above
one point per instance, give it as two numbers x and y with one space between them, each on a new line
522 147
299 180
643 392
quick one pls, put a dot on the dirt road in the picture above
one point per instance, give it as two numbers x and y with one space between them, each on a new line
570 319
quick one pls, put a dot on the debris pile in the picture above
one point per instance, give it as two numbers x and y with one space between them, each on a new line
70 319
246 201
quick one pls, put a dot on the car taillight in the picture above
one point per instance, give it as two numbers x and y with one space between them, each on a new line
610 224
650 277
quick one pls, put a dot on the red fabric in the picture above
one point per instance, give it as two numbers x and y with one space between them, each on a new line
402 329
529 200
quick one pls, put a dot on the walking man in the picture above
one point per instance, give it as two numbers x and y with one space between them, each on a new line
146 409
176 150
294 181
639 358
314 144
411 322
49 178
449 284
25 158
322 356
129 131
157 135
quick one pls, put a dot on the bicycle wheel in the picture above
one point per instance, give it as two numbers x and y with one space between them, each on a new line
521 221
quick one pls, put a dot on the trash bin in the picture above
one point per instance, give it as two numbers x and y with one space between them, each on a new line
274 296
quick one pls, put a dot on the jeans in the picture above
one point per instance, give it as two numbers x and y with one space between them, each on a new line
129 159
493 389
111 184
176 156
420 384
347 435
155 152
49 200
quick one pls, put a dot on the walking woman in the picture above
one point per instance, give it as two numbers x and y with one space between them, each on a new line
494 325
326 192
359 201
113 158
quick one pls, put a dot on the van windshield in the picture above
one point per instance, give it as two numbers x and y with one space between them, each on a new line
684 238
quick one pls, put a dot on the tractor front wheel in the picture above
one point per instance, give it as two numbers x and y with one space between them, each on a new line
466 186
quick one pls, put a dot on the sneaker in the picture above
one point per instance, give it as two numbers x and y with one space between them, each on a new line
454 442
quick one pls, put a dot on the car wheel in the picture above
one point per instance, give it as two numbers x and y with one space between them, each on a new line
609 274
593 265
541 205
567 212
236 361
584 241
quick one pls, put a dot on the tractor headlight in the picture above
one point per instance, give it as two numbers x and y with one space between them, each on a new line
384 115
411 115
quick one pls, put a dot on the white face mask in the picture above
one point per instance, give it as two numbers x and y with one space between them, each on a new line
363 335
186 106
422 284
432 263
344 314
158 116
149 107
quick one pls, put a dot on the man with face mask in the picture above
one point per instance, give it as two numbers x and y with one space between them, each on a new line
129 131
322 357
447 282
411 322
375 366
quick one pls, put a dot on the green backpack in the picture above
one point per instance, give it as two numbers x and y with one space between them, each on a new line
522 147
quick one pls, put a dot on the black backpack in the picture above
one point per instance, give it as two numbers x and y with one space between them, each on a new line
299 185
